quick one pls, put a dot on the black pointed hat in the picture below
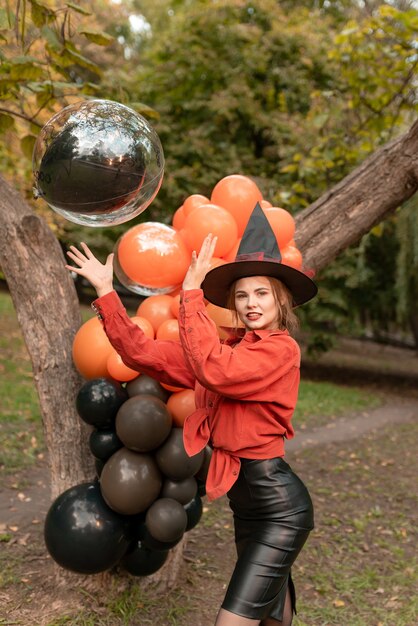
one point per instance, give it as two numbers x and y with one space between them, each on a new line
258 255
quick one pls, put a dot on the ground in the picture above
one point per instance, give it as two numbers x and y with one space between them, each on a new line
359 567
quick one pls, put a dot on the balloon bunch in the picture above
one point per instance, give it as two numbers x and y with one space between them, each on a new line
148 491
152 258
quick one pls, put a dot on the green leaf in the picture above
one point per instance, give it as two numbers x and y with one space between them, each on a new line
25 71
6 122
99 38
51 37
27 144
6 87
41 13
4 20
79 59
77 8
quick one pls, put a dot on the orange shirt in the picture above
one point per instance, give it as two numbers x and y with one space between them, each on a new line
246 388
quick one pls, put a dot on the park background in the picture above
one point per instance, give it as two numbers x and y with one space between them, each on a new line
296 95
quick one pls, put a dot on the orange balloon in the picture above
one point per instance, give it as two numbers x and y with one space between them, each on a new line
175 305
178 218
181 404
169 330
239 195
223 319
118 370
156 309
282 224
171 387
230 257
145 325
175 292
153 255
265 204
210 218
215 262
91 348
292 256
193 202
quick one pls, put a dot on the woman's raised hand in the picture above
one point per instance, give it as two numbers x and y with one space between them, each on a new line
98 274
199 265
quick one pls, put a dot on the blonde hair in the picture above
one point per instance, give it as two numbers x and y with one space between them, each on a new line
286 317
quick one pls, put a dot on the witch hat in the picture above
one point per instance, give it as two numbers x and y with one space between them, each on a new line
258 255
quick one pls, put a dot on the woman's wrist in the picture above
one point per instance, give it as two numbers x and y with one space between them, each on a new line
104 290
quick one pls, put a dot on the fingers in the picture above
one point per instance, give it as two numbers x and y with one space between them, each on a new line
80 257
208 247
76 256
89 254
109 260
77 270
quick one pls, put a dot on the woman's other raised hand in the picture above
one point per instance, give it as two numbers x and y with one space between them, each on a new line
200 264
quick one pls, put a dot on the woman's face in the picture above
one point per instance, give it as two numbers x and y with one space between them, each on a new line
255 303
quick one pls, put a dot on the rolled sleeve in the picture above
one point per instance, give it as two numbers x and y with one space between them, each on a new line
161 359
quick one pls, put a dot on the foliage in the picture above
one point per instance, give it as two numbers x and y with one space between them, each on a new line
235 79
373 98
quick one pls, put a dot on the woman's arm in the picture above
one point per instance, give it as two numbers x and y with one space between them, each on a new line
163 360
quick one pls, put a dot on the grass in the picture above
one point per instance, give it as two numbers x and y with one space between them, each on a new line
319 402
21 437
123 609
360 564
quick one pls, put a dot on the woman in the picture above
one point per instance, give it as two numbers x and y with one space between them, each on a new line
246 391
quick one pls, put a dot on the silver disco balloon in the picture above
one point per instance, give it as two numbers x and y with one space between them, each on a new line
98 163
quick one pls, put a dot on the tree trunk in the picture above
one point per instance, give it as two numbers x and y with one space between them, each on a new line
47 309
342 215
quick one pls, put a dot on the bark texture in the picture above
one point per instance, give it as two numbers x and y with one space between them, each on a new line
342 215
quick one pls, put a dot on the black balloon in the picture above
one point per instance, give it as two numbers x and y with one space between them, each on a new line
99 400
82 533
99 465
143 423
201 488
166 520
145 384
173 460
181 490
153 544
104 443
194 510
65 177
202 473
143 561
130 481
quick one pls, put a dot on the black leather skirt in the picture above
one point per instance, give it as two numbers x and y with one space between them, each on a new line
273 515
